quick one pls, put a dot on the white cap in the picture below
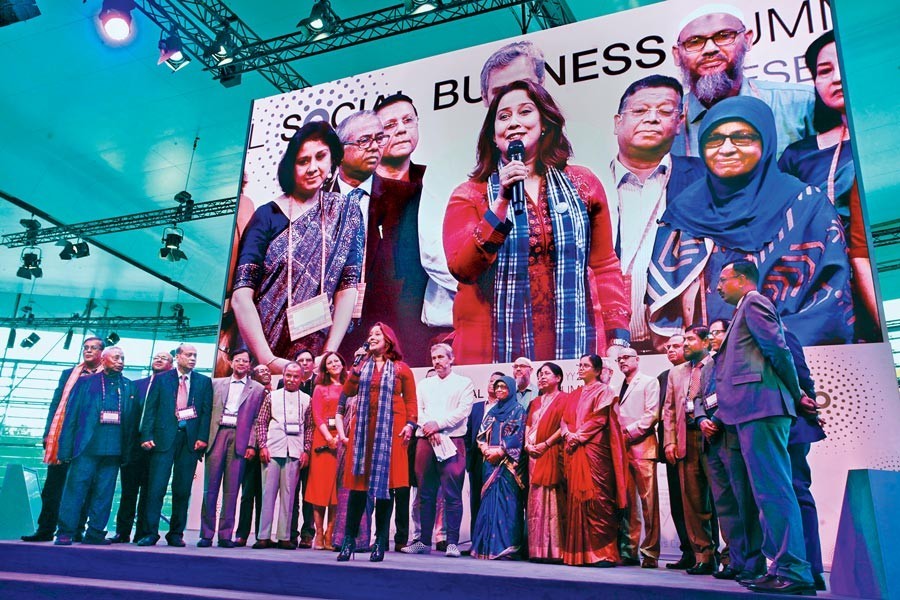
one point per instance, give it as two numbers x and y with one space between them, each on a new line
711 9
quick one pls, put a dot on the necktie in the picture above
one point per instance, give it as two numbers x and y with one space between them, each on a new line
181 400
356 195
694 385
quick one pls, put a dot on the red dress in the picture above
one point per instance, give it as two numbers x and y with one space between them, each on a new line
471 244
405 409
321 487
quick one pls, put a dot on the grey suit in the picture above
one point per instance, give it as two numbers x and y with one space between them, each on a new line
225 454
758 392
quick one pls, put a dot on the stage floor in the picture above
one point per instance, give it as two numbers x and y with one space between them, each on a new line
126 571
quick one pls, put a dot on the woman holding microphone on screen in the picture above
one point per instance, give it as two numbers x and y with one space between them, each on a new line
528 237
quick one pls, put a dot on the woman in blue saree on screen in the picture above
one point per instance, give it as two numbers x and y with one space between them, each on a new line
746 208
300 257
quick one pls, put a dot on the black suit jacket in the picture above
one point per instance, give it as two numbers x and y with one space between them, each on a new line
160 423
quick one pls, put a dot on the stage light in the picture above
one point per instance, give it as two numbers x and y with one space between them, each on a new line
68 341
222 50
171 250
11 340
171 52
322 20
415 7
112 339
74 250
31 264
31 340
115 19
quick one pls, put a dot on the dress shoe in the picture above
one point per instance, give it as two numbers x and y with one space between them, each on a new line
685 562
240 542
780 585
286 545
702 568
148 540
204 543
745 578
63 540
347 551
38 536
263 545
726 573
378 551
78 537
649 562
819 582
629 562
603 564
441 546
306 541
119 539
99 540
225 544
176 541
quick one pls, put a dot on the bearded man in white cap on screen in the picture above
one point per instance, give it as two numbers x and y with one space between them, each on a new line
710 49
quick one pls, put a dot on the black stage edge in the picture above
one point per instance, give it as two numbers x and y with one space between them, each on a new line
126 571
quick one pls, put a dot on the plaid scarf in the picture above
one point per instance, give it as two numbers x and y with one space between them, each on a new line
512 334
384 427
51 451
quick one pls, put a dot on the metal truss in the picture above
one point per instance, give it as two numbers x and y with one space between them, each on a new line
886 237
166 216
199 22
177 326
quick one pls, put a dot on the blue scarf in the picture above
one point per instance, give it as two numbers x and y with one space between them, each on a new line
512 334
379 477
740 213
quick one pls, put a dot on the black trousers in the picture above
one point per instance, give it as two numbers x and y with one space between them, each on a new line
356 507
308 529
51 496
251 499
134 496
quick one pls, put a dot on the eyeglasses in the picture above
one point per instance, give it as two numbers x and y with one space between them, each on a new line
662 112
726 37
366 141
716 332
740 139
407 121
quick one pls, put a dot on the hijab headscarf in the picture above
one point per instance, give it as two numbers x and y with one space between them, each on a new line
739 213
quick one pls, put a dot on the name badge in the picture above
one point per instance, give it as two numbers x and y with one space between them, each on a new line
332 423
689 407
360 296
109 417
711 401
186 414
308 317
228 420
292 428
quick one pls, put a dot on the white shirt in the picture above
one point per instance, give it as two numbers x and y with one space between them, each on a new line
236 387
447 402
638 207
366 188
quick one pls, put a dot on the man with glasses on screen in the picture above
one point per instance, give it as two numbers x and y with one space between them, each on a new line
51 494
710 50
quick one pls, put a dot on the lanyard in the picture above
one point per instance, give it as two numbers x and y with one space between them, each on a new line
834 163
290 258
103 393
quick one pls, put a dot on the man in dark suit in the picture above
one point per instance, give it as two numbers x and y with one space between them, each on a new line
51 494
99 432
251 482
134 472
759 392
232 434
644 177
175 429
474 459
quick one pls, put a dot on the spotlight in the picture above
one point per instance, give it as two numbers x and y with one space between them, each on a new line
31 340
31 264
115 19
112 339
171 52
229 76
222 50
68 341
322 20
415 7
178 311
76 250
11 340
171 250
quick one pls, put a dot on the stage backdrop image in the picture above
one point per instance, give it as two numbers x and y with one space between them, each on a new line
559 193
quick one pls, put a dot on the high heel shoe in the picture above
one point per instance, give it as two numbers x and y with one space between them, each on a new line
378 551
347 550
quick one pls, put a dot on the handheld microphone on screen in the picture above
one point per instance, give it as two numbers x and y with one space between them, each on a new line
516 151
359 357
